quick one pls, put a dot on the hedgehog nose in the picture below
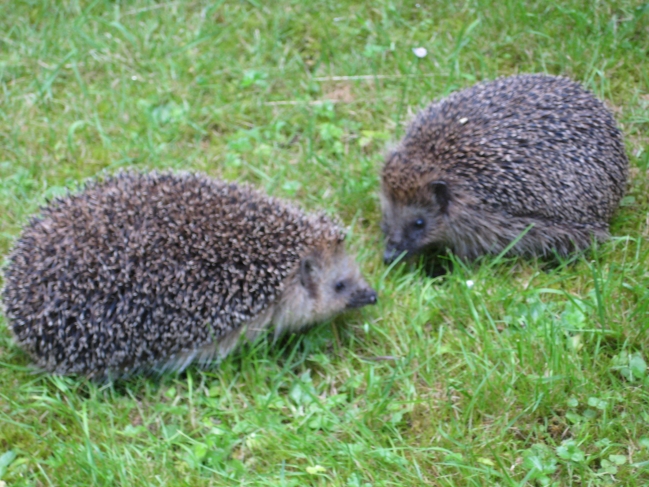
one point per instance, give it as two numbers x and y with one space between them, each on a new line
389 255
362 297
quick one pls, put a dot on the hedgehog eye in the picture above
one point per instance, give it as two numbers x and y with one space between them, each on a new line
419 223
340 285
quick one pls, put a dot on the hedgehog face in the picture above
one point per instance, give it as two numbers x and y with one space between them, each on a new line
411 227
337 282
325 284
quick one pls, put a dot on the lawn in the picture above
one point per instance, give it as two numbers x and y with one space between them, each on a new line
507 372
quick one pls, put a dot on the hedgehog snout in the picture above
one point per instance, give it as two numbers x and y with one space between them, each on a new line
406 231
389 255
362 297
392 251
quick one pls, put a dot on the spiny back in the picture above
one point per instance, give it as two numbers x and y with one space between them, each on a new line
130 269
533 145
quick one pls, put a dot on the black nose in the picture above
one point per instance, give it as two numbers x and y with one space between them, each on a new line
362 297
389 255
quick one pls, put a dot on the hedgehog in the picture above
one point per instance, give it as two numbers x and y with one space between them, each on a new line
530 157
154 271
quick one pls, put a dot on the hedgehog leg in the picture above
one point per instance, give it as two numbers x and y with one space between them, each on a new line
228 343
493 232
214 352
546 239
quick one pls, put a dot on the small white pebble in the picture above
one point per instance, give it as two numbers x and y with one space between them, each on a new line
469 284
420 52
463 120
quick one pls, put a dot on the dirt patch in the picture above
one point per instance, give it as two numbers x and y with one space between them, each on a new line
340 92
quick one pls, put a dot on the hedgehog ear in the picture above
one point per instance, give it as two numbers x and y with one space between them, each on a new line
307 271
442 194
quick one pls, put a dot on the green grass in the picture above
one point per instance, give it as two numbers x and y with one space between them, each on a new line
532 376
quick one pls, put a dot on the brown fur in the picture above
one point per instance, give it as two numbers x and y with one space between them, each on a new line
478 168
154 271
308 297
